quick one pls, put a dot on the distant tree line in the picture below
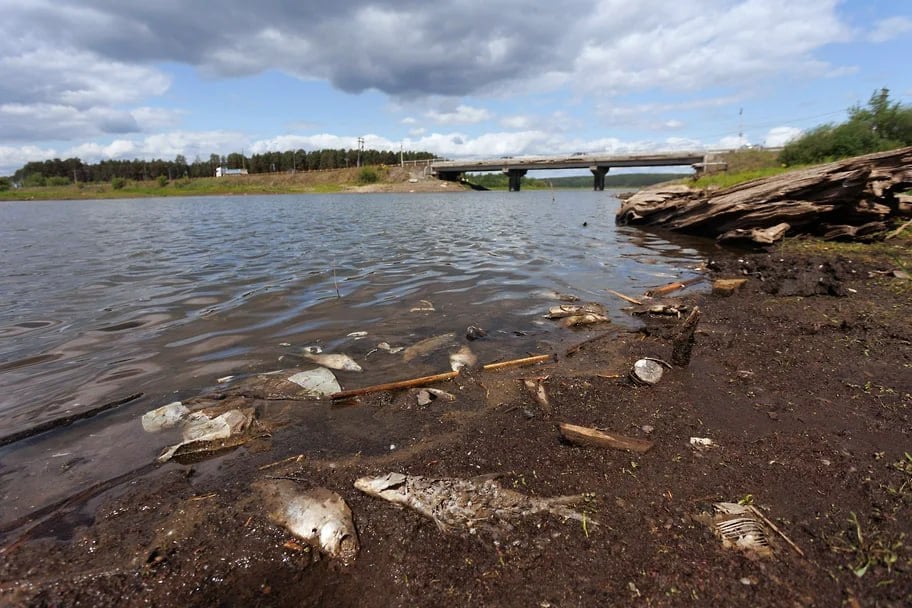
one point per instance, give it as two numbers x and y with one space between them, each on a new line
61 172
881 125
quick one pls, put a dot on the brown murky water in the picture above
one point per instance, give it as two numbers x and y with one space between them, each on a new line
106 299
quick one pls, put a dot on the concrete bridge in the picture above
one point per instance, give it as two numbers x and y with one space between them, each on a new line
598 164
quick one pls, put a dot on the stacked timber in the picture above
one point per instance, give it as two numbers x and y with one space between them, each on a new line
852 199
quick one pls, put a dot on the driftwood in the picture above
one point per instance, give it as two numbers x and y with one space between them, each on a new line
582 435
425 380
683 342
865 191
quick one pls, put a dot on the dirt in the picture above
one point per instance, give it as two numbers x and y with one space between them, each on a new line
802 380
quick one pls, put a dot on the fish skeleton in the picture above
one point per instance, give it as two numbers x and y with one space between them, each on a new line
318 516
426 346
476 503
336 361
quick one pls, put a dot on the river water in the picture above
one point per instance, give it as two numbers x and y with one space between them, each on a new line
105 299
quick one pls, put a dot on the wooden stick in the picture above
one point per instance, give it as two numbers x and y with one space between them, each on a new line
392 386
757 512
424 380
664 289
517 362
593 437
625 298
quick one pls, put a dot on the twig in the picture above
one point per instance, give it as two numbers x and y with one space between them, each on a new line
766 520
625 298
297 458
898 230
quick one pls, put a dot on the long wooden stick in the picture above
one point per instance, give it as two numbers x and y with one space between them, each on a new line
517 362
582 435
424 380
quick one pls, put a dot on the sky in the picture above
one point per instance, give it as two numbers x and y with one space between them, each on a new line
124 79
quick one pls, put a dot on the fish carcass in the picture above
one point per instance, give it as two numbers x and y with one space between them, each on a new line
318 516
479 503
337 361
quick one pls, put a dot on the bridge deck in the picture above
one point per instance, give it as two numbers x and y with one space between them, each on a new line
530 163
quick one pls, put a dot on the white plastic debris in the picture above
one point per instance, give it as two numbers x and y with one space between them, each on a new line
319 382
201 428
357 335
225 379
702 443
165 417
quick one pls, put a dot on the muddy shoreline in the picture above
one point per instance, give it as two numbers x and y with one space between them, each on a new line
802 379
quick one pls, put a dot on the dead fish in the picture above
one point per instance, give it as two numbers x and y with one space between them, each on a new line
357 335
335 361
464 357
476 503
428 345
589 318
318 516
572 310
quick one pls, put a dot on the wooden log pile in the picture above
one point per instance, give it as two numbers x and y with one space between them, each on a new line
852 199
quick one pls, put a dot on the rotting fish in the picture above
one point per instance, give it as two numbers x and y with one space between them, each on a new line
573 310
335 361
464 357
479 503
588 318
318 516
426 346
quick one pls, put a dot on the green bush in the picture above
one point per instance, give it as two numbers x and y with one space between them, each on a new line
35 180
5 184
58 180
162 181
368 175
882 125
118 183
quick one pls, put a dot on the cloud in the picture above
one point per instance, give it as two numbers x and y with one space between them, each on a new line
890 28
779 136
461 115
414 47
516 122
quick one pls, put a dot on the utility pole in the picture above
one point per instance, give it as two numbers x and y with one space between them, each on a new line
360 148
401 158
294 163
740 127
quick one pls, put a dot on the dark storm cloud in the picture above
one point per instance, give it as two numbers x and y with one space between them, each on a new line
405 47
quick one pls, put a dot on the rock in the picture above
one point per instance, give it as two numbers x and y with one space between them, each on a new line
646 371
726 287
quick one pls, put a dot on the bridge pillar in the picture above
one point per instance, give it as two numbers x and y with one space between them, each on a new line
598 177
515 176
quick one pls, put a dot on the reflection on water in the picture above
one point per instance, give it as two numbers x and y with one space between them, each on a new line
107 298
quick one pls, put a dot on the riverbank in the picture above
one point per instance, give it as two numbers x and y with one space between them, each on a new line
354 180
800 379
